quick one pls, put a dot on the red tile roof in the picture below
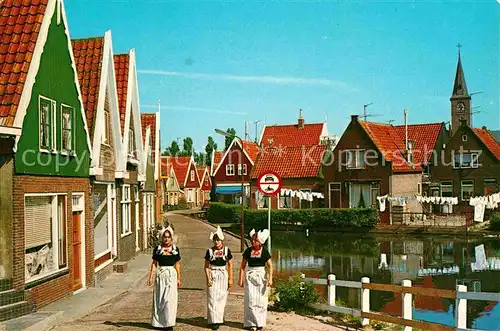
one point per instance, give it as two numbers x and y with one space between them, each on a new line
217 159
292 135
424 137
488 140
149 119
20 23
181 167
88 60
252 149
121 72
390 144
290 162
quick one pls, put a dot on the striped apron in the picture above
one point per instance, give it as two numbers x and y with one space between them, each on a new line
255 297
217 295
165 298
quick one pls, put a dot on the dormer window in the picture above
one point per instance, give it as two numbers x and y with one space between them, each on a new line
131 148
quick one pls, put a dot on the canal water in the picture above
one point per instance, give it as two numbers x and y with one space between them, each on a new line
428 261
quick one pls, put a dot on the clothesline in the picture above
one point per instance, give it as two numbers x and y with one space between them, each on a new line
404 200
481 203
302 195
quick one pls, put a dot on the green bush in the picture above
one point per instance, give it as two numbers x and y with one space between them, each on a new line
295 295
495 222
319 217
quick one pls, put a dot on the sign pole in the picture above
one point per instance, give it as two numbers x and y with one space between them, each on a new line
269 184
269 224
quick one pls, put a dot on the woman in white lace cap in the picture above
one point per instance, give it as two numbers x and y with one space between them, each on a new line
219 275
255 280
165 274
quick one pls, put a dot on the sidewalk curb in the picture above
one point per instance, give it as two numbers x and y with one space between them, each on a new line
47 323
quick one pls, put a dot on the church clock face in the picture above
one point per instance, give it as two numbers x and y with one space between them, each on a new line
460 107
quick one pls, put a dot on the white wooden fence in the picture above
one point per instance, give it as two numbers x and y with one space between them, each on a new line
407 291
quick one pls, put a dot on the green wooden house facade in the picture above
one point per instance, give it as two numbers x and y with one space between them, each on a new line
41 103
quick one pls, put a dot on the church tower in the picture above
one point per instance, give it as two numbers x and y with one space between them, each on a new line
460 98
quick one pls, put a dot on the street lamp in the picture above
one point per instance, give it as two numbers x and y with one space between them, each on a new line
242 223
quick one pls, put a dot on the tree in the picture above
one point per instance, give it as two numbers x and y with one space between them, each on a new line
230 138
187 146
200 158
209 149
173 150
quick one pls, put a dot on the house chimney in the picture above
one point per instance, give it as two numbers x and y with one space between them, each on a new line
301 120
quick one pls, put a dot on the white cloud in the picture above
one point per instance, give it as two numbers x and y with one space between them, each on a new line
279 80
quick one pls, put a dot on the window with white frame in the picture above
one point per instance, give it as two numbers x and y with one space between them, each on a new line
466 160
192 175
447 189
46 128
126 211
242 169
304 203
230 170
355 159
131 145
285 201
67 129
467 190
45 221
102 221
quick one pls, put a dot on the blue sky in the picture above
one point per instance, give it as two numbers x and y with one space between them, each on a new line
219 64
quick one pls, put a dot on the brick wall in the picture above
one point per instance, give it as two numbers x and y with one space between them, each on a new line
51 290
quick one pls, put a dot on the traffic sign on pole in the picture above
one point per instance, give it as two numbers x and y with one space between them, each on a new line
269 184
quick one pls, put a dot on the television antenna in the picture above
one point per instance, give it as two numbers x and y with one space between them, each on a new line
256 130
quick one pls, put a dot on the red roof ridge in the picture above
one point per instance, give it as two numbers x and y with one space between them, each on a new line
88 38
488 140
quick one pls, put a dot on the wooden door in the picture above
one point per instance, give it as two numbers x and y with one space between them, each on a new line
77 251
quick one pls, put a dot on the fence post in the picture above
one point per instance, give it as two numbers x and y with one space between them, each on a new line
407 305
461 309
331 290
365 301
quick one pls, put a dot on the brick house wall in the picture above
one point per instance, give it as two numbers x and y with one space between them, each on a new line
335 171
489 167
54 287
107 162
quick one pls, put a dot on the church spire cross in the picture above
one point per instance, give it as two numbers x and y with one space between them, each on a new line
459 46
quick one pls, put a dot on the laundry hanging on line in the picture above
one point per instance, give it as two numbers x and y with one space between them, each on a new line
481 203
303 195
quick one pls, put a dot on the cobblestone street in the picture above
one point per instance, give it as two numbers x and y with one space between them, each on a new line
132 309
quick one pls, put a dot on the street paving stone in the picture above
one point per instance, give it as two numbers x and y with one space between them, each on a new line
132 309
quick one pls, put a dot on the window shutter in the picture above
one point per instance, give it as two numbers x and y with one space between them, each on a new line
38 221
